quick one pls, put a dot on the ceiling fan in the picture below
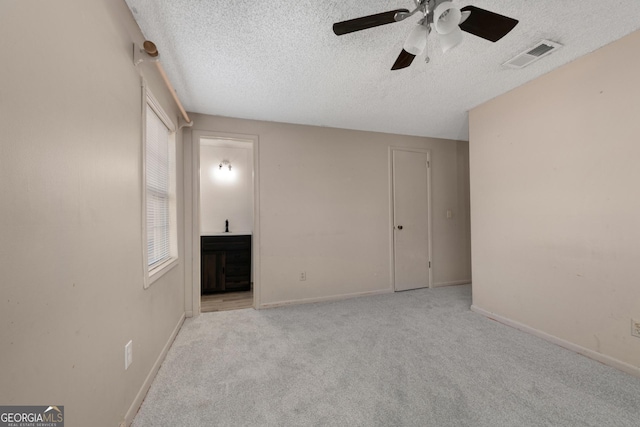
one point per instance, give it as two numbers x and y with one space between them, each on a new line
443 16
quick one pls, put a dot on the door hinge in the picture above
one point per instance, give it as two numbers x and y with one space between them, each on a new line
429 264
428 164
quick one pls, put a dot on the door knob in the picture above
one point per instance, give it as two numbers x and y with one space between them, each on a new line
399 227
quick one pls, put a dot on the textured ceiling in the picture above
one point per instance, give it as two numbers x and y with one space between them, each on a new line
279 60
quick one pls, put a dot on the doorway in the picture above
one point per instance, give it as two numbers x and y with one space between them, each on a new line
411 217
224 221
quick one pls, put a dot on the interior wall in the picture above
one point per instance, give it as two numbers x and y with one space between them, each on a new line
555 202
226 195
324 208
71 216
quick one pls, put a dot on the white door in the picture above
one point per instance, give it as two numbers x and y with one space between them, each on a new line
410 176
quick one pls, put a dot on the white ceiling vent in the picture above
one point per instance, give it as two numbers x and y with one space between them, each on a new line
544 48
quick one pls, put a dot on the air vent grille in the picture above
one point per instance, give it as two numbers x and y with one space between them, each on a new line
540 50
525 58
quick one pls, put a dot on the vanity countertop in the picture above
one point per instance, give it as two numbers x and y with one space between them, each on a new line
230 233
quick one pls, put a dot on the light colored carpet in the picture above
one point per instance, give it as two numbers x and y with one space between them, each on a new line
417 358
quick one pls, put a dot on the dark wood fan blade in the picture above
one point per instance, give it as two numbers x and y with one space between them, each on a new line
404 60
362 23
488 25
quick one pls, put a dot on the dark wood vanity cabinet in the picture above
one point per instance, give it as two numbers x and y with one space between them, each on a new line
225 263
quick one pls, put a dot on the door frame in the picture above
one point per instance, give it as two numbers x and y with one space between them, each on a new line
194 265
392 246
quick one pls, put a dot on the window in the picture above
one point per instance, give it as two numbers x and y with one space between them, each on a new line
160 191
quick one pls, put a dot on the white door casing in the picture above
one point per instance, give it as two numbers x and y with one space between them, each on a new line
192 225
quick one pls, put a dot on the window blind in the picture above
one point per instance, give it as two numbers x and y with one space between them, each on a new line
157 190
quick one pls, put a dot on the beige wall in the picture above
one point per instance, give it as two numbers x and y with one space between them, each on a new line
324 208
71 266
555 202
226 195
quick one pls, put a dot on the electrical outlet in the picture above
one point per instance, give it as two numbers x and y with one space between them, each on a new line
128 355
303 276
635 328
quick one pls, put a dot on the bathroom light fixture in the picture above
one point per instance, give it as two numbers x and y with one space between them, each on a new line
225 163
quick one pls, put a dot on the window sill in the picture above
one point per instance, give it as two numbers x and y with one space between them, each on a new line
160 271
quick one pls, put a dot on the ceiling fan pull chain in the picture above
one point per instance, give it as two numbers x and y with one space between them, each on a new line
426 45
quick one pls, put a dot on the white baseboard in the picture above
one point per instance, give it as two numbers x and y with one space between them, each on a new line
452 283
324 299
602 358
133 409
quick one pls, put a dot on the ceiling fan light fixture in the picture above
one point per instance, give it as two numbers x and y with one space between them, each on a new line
446 18
417 40
450 40
465 15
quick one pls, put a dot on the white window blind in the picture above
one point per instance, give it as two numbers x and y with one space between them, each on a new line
158 190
